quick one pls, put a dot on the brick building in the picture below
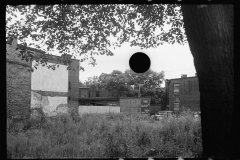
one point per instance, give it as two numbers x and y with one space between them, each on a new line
182 92
46 88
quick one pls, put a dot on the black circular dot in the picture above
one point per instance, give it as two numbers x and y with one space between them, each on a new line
139 62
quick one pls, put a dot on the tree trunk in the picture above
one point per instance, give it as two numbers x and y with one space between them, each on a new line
209 30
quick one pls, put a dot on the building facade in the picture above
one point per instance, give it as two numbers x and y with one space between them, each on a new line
182 92
52 90
93 91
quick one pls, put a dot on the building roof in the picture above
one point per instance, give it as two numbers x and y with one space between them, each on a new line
181 78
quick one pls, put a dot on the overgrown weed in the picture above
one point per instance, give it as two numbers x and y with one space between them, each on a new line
104 135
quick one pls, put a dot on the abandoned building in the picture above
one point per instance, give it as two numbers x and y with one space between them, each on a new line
54 90
182 92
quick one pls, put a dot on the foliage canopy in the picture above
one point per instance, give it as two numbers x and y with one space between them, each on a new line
121 84
83 31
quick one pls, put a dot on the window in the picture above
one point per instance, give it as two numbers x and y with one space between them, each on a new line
176 106
176 88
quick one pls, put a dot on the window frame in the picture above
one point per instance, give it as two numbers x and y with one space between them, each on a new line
174 104
176 86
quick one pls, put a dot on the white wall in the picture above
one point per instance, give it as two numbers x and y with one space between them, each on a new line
98 109
49 104
45 79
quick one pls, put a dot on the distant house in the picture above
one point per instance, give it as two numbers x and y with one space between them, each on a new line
182 92
93 91
96 96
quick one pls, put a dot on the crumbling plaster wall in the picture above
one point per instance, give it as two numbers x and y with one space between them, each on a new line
49 88
57 88
52 90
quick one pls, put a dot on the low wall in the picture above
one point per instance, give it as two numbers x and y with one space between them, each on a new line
98 109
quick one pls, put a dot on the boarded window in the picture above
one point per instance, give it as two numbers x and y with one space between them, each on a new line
176 106
176 88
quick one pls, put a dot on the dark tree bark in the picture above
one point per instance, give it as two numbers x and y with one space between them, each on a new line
209 30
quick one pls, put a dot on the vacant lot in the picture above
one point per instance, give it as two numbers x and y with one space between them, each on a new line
104 135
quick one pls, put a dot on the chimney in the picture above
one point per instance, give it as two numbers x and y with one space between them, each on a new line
183 76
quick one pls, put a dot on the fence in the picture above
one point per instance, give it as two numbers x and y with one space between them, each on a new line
98 109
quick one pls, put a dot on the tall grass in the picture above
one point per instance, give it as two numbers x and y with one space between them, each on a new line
104 136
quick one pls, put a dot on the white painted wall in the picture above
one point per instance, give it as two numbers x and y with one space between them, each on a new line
45 79
98 109
53 103
48 104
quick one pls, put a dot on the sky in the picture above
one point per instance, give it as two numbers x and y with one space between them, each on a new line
174 59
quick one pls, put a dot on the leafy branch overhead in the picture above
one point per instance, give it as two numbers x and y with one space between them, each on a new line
84 30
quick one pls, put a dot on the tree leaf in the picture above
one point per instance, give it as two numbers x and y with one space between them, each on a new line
86 28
